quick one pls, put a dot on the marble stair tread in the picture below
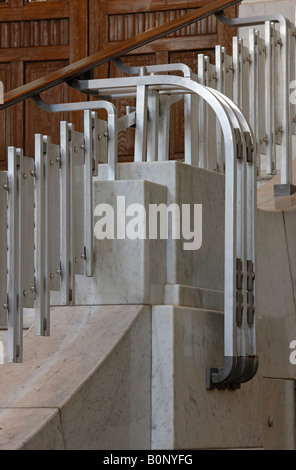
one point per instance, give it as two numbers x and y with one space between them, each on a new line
194 297
30 429
88 332
268 202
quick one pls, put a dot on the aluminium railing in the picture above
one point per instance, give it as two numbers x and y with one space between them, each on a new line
75 160
56 263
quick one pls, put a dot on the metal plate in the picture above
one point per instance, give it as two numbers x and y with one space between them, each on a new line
42 281
27 232
77 201
261 95
3 249
53 167
14 275
65 229
100 140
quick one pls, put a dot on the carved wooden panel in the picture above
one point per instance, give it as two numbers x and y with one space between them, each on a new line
122 27
36 38
38 121
4 117
34 33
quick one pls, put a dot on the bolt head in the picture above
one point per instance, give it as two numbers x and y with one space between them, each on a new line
270 421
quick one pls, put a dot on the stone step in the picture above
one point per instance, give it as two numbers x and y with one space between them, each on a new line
194 297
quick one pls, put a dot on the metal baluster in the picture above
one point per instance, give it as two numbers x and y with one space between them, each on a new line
14 277
203 121
3 248
269 100
78 181
293 79
213 157
164 128
153 126
90 169
65 228
141 122
28 282
254 92
42 260
286 152
191 129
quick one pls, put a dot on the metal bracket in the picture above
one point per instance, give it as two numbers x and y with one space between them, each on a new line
251 276
223 378
284 190
251 21
125 68
249 147
239 144
239 292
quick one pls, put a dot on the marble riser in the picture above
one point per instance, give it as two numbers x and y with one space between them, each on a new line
137 271
86 387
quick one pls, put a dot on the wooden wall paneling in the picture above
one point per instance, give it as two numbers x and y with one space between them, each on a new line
16 3
50 33
97 17
98 32
38 121
5 77
225 33
78 41
17 125
78 26
35 38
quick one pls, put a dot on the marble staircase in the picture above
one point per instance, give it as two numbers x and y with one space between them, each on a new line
131 373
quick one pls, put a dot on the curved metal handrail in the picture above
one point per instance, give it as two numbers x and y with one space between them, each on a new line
240 358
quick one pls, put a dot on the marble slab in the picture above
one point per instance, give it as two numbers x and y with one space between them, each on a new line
30 429
274 264
194 297
274 337
187 184
185 415
278 414
95 368
126 271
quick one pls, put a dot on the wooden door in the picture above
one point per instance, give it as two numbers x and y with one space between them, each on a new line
113 21
36 38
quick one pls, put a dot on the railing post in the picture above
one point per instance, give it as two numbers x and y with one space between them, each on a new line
14 277
270 99
153 126
42 300
141 121
3 248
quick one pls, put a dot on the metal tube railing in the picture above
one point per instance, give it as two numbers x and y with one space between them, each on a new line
240 359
